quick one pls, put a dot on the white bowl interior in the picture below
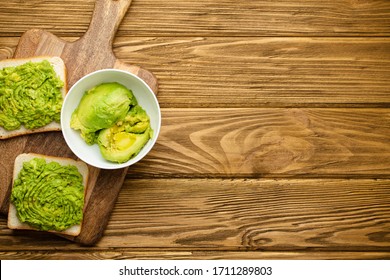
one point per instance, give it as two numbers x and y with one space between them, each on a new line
145 98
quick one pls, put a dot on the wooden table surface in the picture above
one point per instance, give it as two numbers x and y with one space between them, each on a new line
275 139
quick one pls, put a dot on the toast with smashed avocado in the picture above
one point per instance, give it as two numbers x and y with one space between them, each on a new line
48 194
31 95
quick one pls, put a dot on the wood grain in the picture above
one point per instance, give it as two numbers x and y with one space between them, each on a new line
312 215
270 143
253 214
275 131
191 255
265 72
205 17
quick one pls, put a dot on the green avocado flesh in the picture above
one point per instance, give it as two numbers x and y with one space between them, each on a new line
48 196
108 115
124 140
30 95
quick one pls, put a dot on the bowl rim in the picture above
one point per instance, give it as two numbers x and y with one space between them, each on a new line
112 165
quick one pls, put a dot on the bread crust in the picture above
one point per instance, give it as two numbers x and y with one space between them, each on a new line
13 220
60 68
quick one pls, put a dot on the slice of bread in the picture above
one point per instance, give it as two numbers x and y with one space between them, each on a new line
13 221
59 67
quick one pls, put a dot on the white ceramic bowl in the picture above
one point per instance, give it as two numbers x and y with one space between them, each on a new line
145 97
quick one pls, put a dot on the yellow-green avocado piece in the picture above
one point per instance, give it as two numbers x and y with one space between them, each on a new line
101 107
125 140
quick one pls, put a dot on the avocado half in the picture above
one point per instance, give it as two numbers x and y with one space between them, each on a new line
101 107
125 140
121 146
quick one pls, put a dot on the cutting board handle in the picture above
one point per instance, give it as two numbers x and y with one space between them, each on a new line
106 17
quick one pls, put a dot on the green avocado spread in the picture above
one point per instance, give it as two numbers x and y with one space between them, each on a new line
30 95
48 196
109 115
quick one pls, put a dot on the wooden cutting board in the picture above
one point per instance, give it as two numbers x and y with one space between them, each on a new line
91 52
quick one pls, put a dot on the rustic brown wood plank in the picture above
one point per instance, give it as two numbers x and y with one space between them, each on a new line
252 72
227 215
197 18
270 143
266 72
253 214
190 255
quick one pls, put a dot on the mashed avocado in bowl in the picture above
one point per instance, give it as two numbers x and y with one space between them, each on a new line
110 119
